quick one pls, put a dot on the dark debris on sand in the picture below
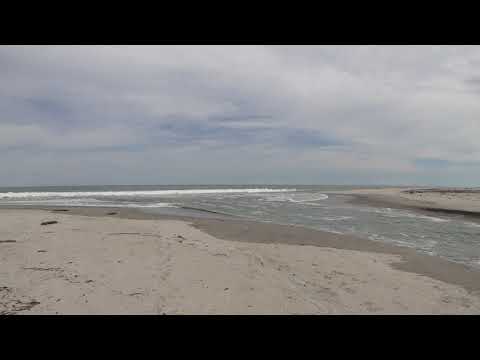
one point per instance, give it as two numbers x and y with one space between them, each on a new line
9 305
49 222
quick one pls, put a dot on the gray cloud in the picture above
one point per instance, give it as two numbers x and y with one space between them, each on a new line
309 114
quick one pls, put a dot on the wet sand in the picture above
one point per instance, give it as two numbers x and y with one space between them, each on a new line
130 262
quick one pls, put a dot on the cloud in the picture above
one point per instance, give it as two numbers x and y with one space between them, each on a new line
310 114
432 163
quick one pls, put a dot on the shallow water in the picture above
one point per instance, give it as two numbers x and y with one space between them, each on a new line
450 236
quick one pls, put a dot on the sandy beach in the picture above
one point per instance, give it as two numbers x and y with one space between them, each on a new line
134 263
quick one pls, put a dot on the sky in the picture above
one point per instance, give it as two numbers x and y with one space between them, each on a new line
393 115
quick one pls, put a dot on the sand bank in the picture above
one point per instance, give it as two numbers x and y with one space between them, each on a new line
450 201
132 263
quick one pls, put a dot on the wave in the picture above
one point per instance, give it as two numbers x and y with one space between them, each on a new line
431 218
299 198
388 212
321 197
74 194
424 217
130 205
471 224
337 218
86 203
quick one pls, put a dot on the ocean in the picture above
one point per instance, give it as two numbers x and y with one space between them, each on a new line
453 237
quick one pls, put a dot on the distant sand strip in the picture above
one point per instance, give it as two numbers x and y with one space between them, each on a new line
449 201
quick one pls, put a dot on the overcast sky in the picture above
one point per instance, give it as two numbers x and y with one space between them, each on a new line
239 114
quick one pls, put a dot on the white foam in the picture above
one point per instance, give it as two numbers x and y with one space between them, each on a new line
431 218
116 205
299 198
86 203
387 212
434 219
337 218
320 197
472 224
74 194
156 205
330 230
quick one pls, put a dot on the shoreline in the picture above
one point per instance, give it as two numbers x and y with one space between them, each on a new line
250 231
132 262
454 202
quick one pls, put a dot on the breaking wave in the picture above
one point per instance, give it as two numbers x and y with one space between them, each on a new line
298 198
75 194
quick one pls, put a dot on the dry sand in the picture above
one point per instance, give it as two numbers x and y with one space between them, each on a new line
113 265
